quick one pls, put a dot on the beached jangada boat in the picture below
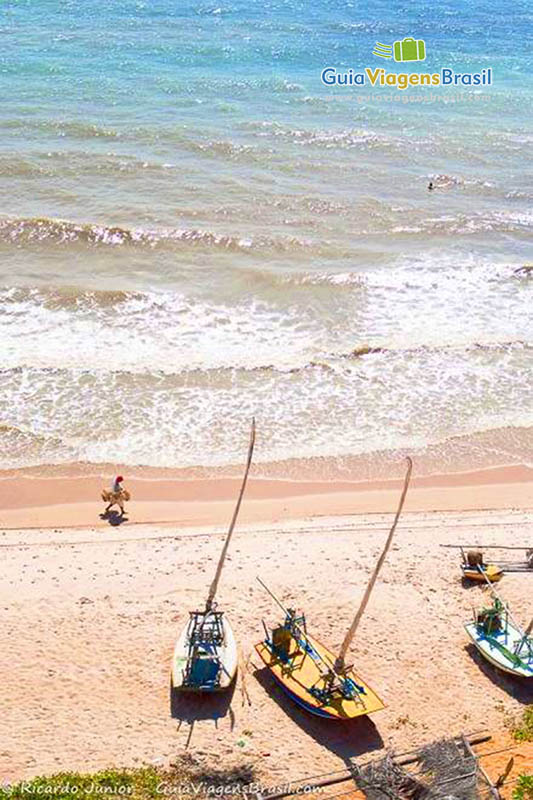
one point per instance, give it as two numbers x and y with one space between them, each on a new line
475 569
309 672
500 640
205 656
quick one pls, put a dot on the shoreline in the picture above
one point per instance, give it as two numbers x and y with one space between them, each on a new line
28 501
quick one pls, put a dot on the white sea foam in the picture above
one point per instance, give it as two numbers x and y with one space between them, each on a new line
149 332
169 379
340 408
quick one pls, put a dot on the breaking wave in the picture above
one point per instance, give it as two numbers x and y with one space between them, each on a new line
375 220
64 232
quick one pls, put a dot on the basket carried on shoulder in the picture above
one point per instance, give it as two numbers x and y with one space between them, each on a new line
115 497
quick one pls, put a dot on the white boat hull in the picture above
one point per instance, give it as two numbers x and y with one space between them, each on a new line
499 647
226 653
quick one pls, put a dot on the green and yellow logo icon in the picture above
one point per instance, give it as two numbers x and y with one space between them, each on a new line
407 49
382 50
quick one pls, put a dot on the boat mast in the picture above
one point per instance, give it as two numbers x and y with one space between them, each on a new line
214 586
340 662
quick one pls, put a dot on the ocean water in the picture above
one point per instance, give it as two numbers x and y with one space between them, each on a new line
195 230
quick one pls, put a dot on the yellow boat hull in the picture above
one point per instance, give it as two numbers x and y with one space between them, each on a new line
491 571
301 672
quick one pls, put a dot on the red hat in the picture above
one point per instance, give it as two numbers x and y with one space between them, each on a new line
119 478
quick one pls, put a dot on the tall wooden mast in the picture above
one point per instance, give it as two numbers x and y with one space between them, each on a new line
214 586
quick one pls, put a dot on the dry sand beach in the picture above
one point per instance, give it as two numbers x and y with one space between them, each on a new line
90 615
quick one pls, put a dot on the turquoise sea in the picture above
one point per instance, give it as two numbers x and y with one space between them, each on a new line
195 229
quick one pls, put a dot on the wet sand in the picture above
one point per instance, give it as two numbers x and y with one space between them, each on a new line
30 499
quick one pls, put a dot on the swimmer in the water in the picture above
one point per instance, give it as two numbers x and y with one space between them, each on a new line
525 271
430 186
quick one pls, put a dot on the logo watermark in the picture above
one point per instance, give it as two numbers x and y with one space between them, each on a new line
407 49
191 790
68 789
454 97
330 76
402 51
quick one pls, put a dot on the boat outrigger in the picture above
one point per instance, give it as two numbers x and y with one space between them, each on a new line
500 640
205 656
307 671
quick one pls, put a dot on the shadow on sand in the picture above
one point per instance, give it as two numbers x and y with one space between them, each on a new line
346 740
468 583
114 518
519 688
191 707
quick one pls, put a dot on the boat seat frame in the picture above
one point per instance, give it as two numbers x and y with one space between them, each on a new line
205 633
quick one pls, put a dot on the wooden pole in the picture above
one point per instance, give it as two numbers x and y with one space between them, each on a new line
486 546
340 662
492 788
505 774
272 595
214 585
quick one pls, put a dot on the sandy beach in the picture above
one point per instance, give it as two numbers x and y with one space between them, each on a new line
90 615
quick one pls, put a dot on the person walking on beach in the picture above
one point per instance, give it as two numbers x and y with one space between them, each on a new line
116 496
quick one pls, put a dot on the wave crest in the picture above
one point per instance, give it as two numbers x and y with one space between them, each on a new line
64 232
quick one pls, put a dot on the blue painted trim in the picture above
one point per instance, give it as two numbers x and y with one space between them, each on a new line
298 700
